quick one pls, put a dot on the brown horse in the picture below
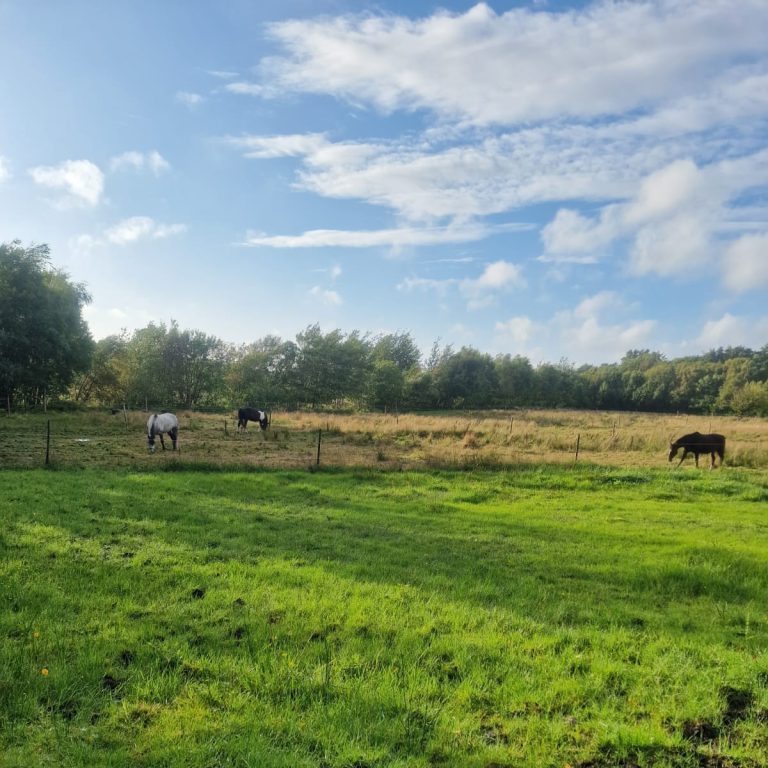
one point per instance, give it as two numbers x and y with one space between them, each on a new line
697 443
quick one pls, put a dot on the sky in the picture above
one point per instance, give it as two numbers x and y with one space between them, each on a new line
559 180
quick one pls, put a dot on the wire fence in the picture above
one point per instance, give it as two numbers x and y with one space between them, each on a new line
309 441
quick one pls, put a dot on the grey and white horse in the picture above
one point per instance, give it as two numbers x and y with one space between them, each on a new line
158 425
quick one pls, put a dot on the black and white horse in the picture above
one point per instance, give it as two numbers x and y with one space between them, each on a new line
160 424
244 415
697 443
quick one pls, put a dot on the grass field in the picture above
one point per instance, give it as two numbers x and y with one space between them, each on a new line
539 615
405 441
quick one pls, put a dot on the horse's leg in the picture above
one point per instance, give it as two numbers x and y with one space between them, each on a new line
682 458
696 456
712 460
174 433
162 442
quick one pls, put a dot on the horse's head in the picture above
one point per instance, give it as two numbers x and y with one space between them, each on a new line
263 420
672 450
151 443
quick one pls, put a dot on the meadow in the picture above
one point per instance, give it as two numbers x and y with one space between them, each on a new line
176 610
385 441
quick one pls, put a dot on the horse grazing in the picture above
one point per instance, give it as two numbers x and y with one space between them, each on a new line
697 443
244 415
158 425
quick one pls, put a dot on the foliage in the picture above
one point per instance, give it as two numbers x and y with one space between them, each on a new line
45 348
44 340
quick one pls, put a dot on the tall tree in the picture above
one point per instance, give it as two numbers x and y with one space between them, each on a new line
44 340
467 378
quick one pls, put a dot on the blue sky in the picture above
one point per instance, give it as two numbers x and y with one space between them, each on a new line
553 179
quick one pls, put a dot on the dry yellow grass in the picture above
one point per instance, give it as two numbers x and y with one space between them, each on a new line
611 438
487 438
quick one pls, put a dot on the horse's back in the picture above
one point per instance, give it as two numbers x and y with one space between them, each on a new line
704 443
162 422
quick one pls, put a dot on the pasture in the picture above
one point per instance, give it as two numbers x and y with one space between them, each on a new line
539 615
388 441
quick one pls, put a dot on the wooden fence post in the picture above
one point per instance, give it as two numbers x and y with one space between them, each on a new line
578 440
319 436
48 444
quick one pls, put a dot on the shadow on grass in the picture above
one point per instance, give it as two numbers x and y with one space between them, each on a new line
546 548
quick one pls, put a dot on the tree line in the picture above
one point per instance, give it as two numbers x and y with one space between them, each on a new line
47 352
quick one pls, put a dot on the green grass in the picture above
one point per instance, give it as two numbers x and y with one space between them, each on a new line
356 619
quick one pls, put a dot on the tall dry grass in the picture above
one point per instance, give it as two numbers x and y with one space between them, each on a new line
603 437
487 438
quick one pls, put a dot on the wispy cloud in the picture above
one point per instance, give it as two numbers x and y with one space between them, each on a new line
189 99
139 228
247 89
327 297
152 161
596 330
392 238
5 169
478 292
81 182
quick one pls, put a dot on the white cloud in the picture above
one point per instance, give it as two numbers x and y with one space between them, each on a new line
222 74
598 304
498 276
190 100
478 292
247 89
595 331
724 332
139 161
427 182
168 230
517 329
5 169
673 222
673 247
130 230
330 298
138 228
665 191
728 331
288 145
394 238
571 233
81 181
526 65
594 105
83 244
410 284
745 266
